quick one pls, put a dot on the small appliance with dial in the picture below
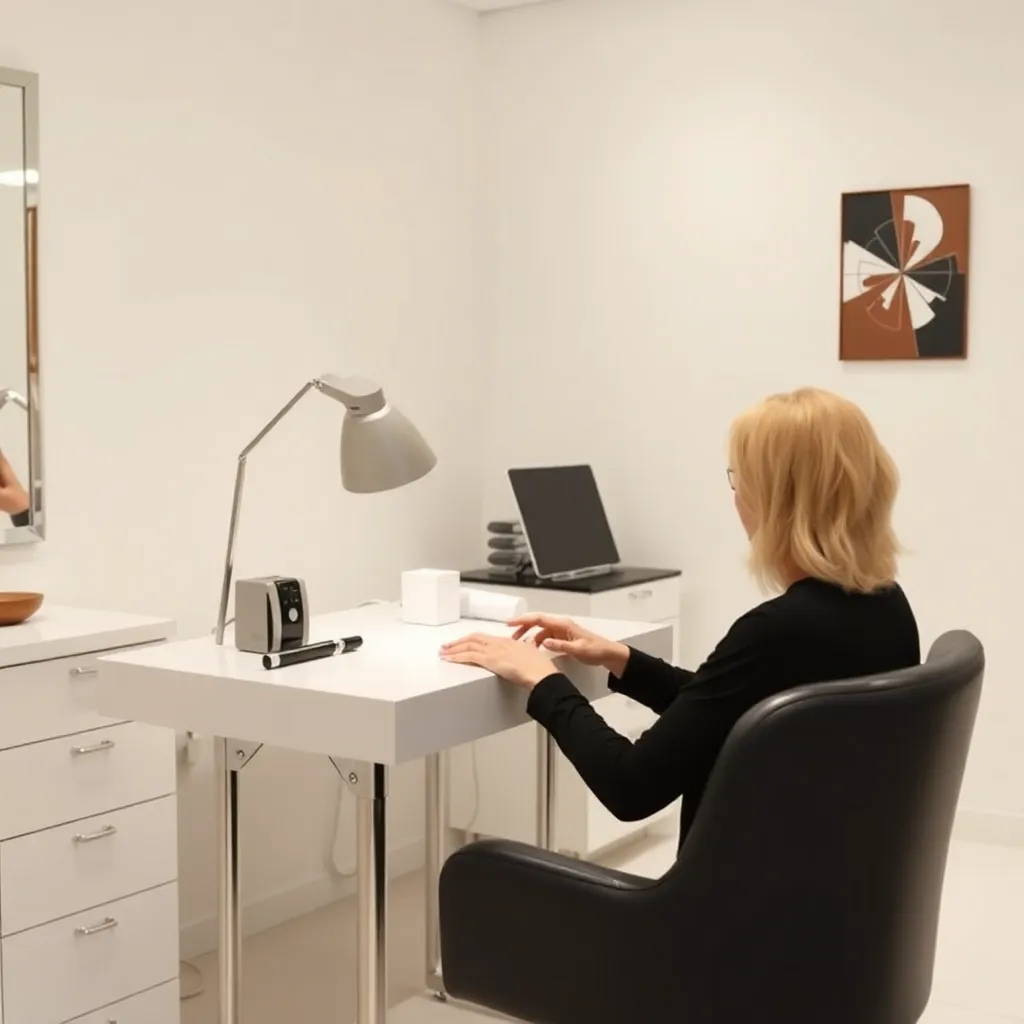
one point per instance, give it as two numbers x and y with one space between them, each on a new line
271 614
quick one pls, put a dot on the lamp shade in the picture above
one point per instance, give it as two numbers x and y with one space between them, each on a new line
381 451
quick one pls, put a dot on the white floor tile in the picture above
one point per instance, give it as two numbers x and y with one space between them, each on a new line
425 1010
980 959
938 1014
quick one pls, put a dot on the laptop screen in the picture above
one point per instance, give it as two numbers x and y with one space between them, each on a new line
563 519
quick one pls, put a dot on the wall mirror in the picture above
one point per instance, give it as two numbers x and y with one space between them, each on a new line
21 476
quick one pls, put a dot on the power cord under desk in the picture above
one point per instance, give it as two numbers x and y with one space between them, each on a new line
199 986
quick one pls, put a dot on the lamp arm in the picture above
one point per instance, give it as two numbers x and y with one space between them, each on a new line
229 556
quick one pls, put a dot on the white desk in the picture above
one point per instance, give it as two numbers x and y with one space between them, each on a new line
391 702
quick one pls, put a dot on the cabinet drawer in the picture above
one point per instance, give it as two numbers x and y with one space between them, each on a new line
646 602
47 699
79 776
51 874
82 963
157 1006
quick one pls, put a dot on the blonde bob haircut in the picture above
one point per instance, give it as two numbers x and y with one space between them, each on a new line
819 488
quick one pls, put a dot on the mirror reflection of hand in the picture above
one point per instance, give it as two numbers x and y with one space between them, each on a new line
13 497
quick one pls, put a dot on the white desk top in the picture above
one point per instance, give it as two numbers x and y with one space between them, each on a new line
59 632
392 701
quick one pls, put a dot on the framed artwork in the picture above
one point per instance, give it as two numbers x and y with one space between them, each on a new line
905 270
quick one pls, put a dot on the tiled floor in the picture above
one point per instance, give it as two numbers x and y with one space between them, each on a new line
304 970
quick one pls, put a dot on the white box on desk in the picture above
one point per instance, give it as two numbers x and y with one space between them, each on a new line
430 597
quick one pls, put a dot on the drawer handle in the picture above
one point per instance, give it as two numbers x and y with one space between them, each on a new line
96 748
94 929
91 837
79 673
641 595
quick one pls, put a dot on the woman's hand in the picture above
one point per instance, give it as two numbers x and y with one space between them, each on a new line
513 661
13 497
563 636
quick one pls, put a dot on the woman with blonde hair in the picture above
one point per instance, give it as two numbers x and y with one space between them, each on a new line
814 489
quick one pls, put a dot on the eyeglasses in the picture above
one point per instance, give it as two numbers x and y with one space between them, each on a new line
731 477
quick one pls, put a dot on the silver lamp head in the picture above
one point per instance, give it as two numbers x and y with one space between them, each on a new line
380 448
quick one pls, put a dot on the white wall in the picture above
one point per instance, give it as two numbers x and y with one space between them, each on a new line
237 196
664 183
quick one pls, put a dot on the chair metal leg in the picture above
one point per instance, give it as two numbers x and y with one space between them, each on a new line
231 757
436 821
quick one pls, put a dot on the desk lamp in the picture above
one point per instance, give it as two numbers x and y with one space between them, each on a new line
380 450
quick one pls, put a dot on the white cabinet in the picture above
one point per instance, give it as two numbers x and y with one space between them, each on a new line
92 959
157 1006
493 787
82 775
88 833
54 873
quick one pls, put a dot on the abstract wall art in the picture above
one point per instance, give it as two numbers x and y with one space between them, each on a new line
905 271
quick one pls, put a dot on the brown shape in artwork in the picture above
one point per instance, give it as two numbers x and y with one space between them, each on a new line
870 331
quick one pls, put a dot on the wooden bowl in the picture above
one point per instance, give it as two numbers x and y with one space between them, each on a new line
16 608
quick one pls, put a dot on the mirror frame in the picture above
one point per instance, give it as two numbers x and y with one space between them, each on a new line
28 82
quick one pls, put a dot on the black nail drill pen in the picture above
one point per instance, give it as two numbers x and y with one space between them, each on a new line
312 652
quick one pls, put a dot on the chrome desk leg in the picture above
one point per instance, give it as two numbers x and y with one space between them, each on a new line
437 828
370 783
231 757
545 790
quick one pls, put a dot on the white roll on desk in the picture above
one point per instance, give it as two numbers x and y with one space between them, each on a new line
391 702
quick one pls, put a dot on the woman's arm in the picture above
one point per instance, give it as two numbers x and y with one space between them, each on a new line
13 497
651 681
636 780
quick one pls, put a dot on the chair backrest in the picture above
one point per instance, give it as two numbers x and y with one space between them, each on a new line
814 870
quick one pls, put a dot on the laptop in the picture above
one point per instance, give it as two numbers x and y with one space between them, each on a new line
564 522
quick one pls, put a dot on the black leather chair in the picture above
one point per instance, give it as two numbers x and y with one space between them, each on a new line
807 891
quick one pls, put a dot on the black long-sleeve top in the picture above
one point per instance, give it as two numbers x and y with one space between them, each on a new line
813 633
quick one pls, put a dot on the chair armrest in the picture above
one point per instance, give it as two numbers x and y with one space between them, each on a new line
510 912
540 867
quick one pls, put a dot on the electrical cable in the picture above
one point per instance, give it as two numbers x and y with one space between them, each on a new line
200 986
345 868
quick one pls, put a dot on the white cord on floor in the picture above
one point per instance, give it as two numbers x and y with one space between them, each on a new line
342 861
200 985
343 868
